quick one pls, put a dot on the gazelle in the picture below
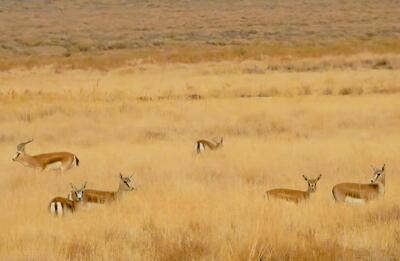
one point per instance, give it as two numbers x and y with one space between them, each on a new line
58 206
295 196
62 161
361 193
201 145
99 196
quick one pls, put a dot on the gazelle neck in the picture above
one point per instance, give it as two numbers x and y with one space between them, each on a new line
120 190
27 160
310 191
381 185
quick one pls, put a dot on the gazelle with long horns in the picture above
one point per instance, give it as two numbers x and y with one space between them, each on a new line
58 206
292 195
361 193
100 196
62 161
202 145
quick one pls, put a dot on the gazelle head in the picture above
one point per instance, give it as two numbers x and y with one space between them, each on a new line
20 150
126 183
77 194
312 183
379 174
219 143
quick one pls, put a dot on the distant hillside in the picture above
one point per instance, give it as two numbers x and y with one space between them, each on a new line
65 28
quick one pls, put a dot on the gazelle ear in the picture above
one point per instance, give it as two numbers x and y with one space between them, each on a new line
383 167
130 176
120 175
320 175
84 185
305 177
72 186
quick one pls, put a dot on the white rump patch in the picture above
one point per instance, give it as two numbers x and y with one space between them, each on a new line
54 166
200 146
59 209
352 200
53 208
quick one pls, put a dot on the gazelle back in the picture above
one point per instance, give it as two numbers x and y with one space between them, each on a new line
58 206
202 145
361 193
295 196
62 161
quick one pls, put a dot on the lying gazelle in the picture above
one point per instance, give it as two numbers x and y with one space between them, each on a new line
99 196
295 196
59 206
361 193
62 161
201 145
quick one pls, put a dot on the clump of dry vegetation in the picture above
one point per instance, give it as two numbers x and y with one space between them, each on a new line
176 81
210 206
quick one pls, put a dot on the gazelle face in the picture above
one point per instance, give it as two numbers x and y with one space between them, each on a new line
220 143
379 174
312 183
126 182
77 194
17 155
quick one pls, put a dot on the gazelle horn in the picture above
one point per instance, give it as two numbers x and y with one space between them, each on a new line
72 186
22 144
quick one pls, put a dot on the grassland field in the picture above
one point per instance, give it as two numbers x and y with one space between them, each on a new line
290 103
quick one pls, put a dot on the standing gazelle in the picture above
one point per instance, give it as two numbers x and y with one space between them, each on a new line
58 206
99 196
50 161
361 193
295 196
201 145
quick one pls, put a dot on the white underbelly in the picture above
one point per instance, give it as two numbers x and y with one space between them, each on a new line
352 200
54 166
90 205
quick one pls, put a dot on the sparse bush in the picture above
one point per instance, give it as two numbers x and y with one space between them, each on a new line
253 70
345 91
328 91
305 90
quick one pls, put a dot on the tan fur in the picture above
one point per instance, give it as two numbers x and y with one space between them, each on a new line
211 145
55 160
99 196
288 194
67 205
344 192
292 195
355 190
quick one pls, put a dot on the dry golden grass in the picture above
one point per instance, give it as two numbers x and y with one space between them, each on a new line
353 75
145 118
